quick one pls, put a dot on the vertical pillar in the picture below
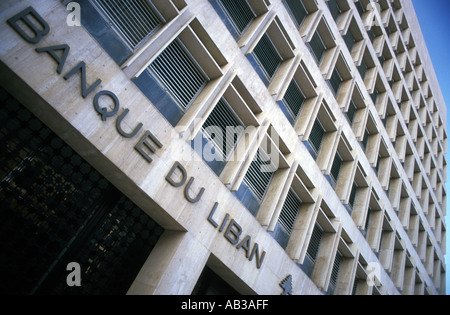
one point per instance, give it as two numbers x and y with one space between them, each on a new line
173 266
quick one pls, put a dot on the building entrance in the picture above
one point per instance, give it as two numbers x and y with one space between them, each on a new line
55 209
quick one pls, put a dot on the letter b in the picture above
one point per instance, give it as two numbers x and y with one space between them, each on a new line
34 32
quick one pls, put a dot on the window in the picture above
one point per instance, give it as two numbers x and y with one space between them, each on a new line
334 8
239 12
290 211
352 199
365 139
297 10
272 51
259 174
351 111
267 56
362 69
179 73
134 20
294 99
215 128
317 47
335 270
336 167
316 137
335 81
314 243
349 40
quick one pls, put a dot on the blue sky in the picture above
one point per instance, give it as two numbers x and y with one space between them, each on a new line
435 24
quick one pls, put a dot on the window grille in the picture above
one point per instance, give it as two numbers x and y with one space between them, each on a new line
216 124
314 243
260 174
365 139
336 268
374 96
239 12
317 46
297 11
351 111
335 81
135 20
349 40
369 214
355 286
363 69
294 99
336 167
352 199
178 71
360 8
290 211
334 8
267 56
316 136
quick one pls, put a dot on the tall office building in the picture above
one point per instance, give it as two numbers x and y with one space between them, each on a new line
208 147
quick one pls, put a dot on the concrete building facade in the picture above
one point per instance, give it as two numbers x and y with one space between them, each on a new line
220 147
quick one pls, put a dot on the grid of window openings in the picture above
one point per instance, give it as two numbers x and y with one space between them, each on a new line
374 76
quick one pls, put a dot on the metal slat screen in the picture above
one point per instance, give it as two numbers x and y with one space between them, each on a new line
133 19
365 139
362 69
297 10
267 56
336 81
222 118
334 8
336 268
336 167
351 111
294 99
239 12
317 46
290 211
316 136
349 40
260 174
352 199
314 243
179 73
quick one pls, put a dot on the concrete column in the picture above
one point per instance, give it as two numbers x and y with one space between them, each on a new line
173 266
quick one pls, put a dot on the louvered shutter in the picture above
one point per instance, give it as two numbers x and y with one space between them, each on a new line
179 72
316 136
297 10
239 12
365 139
294 99
335 270
334 8
335 81
349 40
362 69
133 19
351 111
317 46
352 198
290 210
260 174
314 243
216 124
267 56
336 167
